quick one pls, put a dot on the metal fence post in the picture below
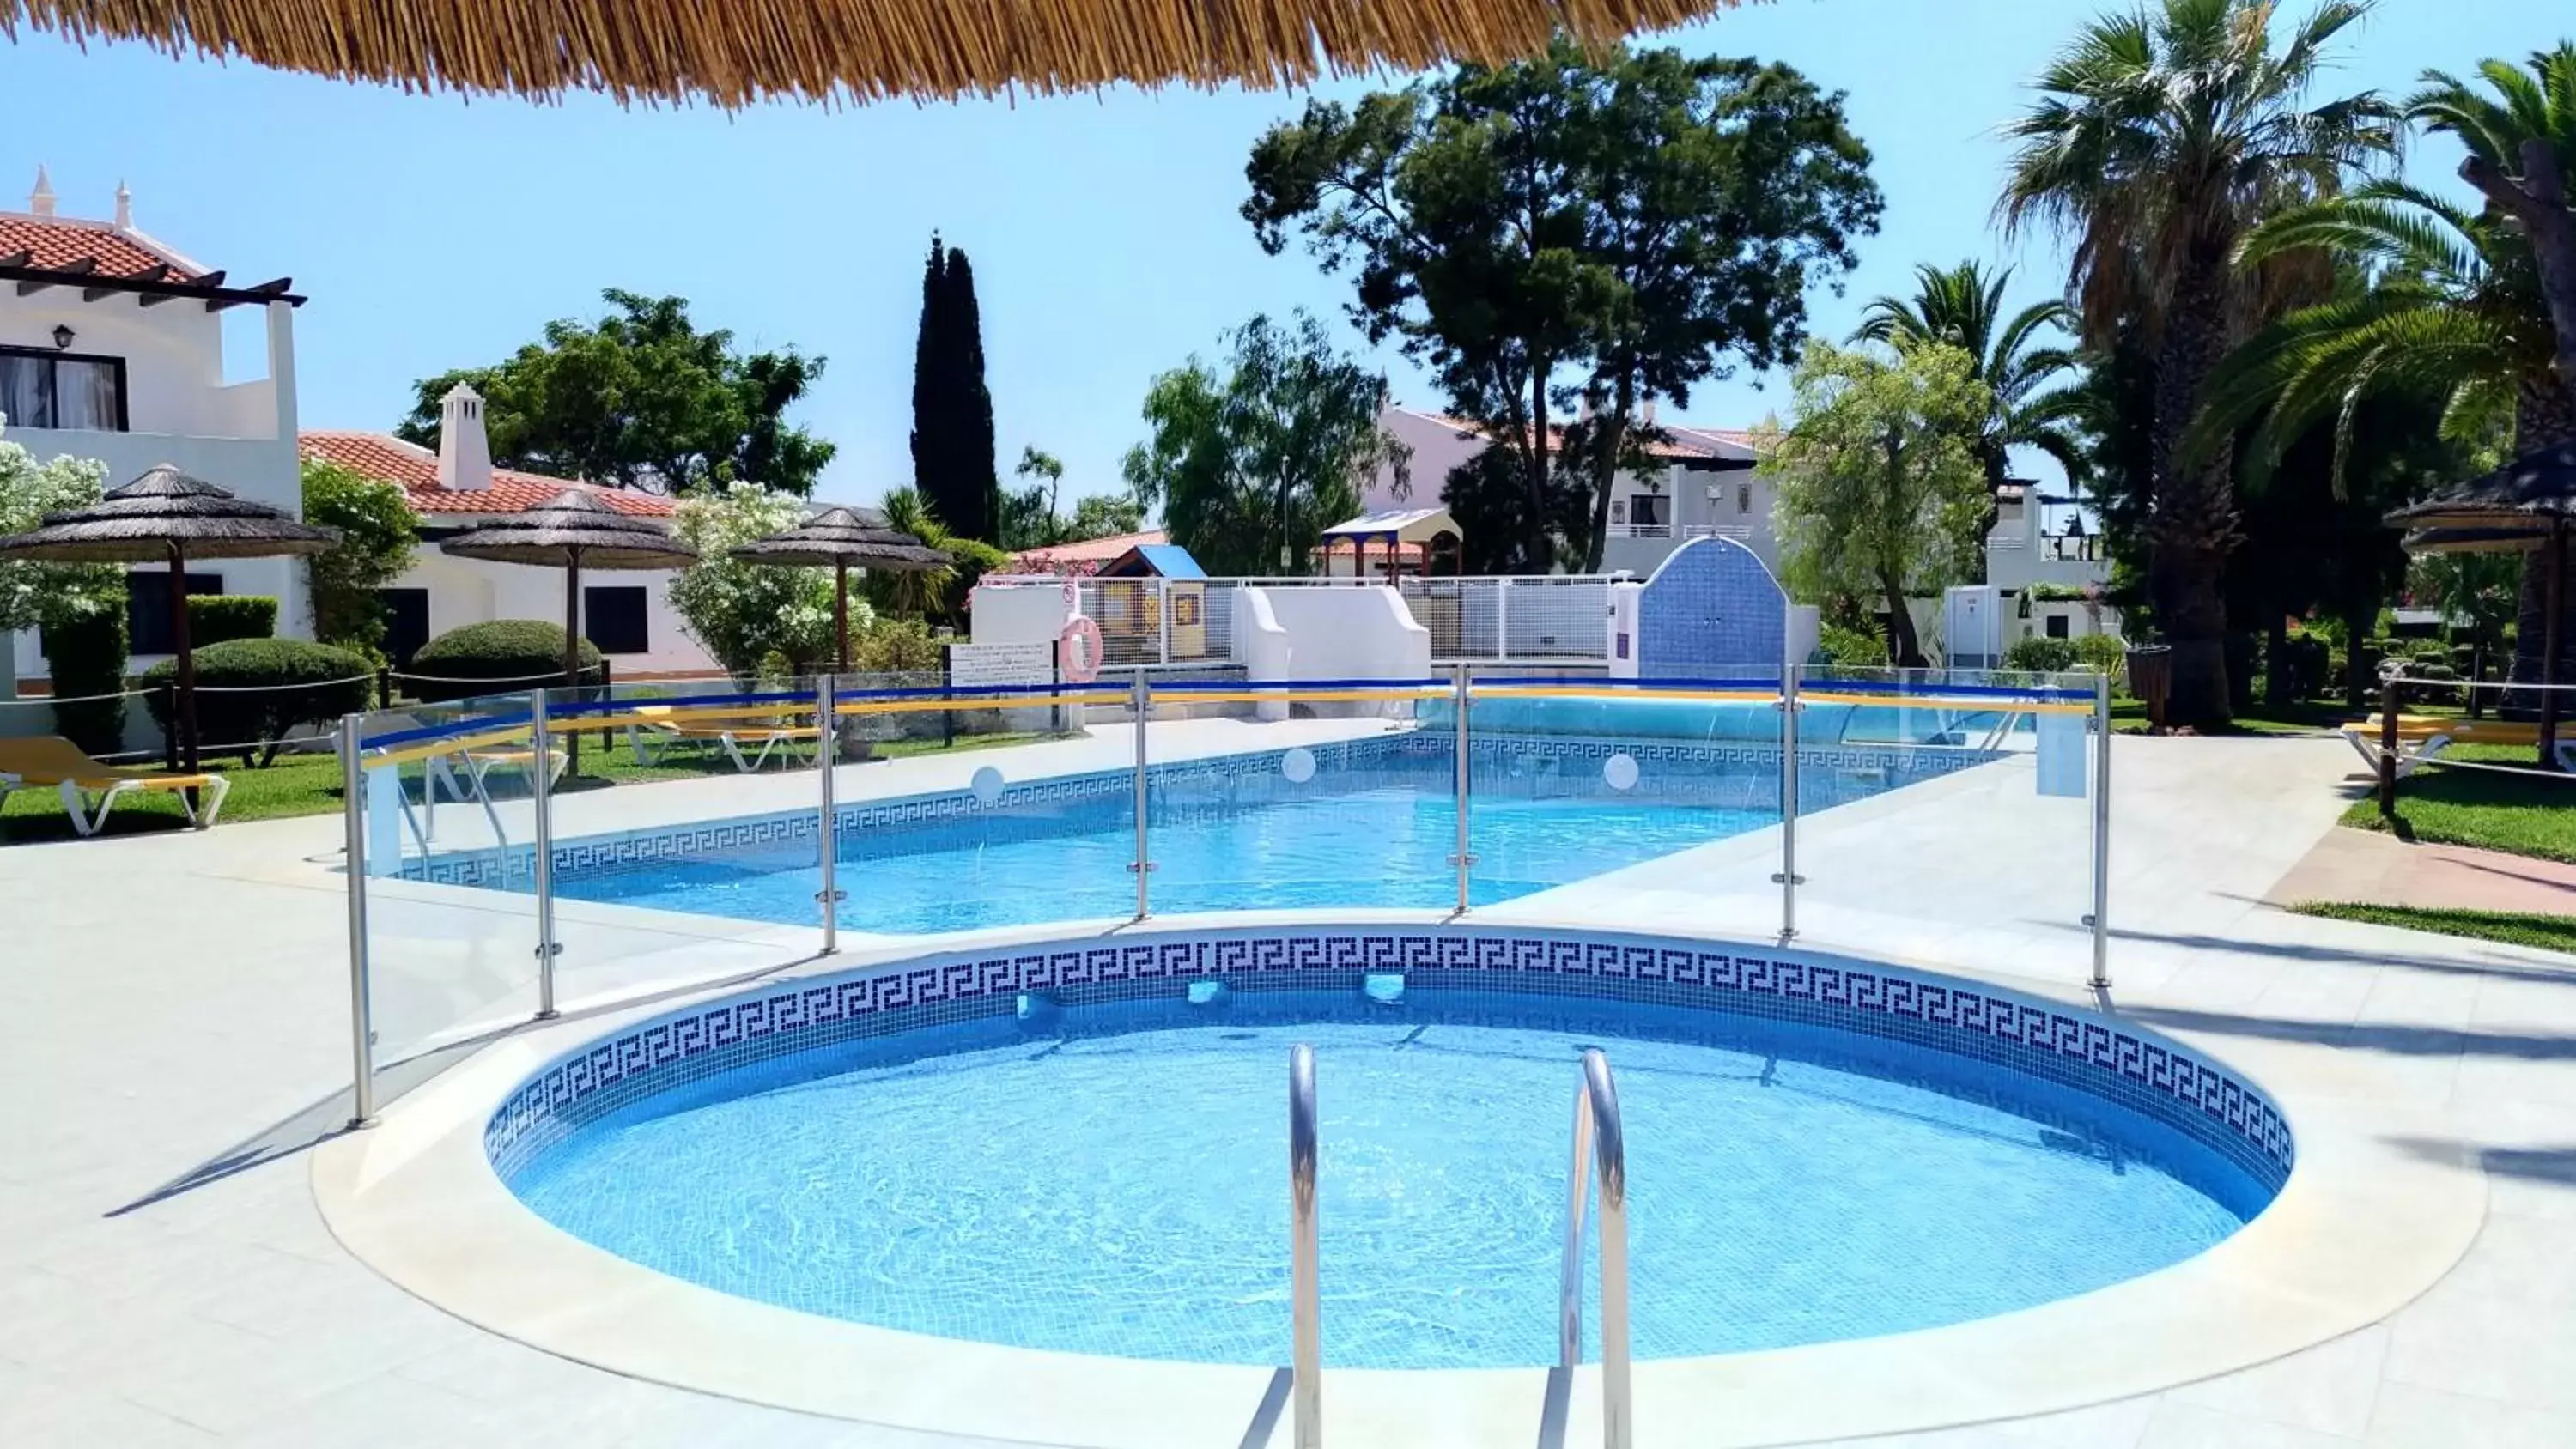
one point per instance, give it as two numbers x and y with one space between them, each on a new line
2101 919
362 1024
1141 702
1163 620
827 744
2388 713
1788 878
541 772
1464 859
1503 621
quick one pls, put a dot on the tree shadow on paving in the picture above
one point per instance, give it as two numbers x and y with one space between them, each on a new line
2392 1038
2535 1164
2349 956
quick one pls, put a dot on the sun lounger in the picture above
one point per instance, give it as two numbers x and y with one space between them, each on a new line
2423 737
665 726
89 789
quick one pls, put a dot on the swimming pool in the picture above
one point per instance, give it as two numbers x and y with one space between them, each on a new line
1082 1150
1360 822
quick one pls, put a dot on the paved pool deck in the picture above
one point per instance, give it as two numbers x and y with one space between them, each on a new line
173 1038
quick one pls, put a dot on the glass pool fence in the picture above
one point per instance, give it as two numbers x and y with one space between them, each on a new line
565 851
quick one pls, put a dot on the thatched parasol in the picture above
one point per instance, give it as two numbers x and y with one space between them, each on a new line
2528 504
571 531
842 539
751 50
167 516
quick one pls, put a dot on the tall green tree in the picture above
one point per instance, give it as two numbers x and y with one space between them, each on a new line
2158 140
378 536
953 468
2017 358
1582 226
640 398
1028 512
1880 485
1252 463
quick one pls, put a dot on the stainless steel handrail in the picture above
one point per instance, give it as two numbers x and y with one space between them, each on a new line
1599 1144
1307 1340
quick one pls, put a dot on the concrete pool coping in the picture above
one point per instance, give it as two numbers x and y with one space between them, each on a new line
2362 1227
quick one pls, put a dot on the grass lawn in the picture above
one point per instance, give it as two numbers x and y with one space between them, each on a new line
2549 933
2528 812
310 785
2129 717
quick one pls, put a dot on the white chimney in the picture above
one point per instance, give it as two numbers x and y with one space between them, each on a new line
1650 412
124 208
464 452
41 200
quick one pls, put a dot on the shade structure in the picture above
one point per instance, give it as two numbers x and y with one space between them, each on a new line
842 539
2529 503
165 516
572 531
749 50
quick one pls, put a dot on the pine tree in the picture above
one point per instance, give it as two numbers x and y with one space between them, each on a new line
952 411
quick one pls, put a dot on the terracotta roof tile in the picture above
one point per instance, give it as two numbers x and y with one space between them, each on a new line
58 242
390 459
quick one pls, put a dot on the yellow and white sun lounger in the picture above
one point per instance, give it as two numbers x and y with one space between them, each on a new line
770 729
51 760
2422 737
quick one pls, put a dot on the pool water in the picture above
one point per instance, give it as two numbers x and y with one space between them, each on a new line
1116 1182
1389 845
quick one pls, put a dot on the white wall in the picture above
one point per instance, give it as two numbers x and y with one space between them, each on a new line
1027 613
470 591
1328 633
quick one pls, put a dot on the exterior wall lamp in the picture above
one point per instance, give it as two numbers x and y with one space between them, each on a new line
62 336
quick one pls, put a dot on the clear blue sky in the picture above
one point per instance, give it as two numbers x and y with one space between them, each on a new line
432 232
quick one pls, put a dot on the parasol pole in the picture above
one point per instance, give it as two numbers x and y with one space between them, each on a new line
841 615
183 657
2550 642
572 654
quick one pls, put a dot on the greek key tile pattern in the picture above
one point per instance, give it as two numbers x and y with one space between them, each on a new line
2087 1052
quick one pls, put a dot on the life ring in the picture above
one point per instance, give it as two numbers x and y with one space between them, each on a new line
1079 652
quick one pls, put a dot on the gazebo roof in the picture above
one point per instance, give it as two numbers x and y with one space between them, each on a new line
574 525
139 523
745 51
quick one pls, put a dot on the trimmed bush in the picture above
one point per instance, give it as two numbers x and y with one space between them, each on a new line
221 618
85 655
493 658
2039 654
251 692
2101 653
1851 648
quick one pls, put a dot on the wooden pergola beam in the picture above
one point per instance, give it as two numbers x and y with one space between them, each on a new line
37 281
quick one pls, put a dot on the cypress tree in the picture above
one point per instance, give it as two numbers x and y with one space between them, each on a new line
978 482
953 467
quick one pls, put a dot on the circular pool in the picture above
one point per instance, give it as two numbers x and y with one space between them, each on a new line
1084 1149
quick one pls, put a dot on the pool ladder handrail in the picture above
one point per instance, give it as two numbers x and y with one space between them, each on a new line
1600 1146
1307 1326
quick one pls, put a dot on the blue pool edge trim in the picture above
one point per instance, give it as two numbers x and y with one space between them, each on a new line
2132 1068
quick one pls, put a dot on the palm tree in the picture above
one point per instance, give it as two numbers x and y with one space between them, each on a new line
2522 158
2161 138
913 594
1964 307
2447 301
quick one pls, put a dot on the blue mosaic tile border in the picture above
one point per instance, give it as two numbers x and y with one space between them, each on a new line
2092 1053
1512 754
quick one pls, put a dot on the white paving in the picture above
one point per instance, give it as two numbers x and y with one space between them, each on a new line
173 1010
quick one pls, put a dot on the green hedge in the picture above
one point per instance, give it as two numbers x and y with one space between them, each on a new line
2039 654
85 655
250 692
492 658
220 618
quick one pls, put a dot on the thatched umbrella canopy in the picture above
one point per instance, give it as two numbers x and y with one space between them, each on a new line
745 51
2529 503
572 531
165 516
842 539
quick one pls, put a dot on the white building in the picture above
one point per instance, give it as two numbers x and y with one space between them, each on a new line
112 347
627 615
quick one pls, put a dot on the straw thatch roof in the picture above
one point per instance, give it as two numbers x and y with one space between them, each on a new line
741 51
140 523
859 538
2477 540
574 527
2531 492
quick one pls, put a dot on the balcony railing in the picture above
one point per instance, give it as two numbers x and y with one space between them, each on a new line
1641 530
